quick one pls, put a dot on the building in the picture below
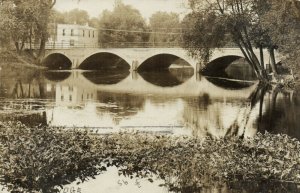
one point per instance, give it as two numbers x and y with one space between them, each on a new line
72 35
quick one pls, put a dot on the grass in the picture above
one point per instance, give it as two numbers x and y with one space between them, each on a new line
42 158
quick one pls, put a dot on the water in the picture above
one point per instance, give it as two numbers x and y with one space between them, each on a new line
175 101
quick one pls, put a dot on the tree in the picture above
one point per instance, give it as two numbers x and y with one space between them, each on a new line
214 22
42 21
123 24
7 22
94 22
285 30
167 25
77 16
24 20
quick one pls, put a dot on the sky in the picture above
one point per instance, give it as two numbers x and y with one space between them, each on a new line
146 7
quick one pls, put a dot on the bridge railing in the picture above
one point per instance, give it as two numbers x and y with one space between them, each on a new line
63 45
68 45
140 45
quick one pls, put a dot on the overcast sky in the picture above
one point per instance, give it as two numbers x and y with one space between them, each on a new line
146 7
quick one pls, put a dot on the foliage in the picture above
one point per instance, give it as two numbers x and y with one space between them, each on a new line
196 38
40 159
213 23
6 10
284 30
123 24
75 16
15 23
26 21
165 23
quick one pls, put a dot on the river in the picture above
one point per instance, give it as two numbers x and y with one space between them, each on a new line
175 101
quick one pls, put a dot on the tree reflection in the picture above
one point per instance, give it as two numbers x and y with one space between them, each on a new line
268 109
120 105
22 88
280 110
22 85
218 118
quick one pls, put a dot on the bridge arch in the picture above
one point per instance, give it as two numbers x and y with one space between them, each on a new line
57 61
219 64
162 61
230 66
104 61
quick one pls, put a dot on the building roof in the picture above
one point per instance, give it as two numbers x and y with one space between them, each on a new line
77 26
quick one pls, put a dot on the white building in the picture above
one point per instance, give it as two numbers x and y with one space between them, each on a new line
72 35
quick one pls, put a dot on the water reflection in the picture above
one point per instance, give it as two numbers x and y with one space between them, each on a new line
119 106
280 112
197 106
219 118
57 76
106 77
229 84
168 77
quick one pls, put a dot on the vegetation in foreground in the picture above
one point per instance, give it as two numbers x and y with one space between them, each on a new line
42 158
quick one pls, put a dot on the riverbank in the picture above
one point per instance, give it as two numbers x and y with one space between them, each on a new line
44 158
10 58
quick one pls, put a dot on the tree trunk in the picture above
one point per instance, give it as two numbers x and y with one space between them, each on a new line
17 47
22 46
262 62
30 39
42 48
273 63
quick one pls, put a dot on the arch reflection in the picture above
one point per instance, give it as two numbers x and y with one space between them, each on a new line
229 84
56 76
168 77
106 77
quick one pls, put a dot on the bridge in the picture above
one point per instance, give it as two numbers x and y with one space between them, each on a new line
135 58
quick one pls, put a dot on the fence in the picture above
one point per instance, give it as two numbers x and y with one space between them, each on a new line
70 45
61 45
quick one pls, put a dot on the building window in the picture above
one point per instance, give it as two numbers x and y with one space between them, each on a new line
72 42
64 32
83 33
70 98
72 32
62 98
89 33
93 34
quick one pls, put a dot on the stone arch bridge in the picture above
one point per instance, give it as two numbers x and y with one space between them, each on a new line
135 58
